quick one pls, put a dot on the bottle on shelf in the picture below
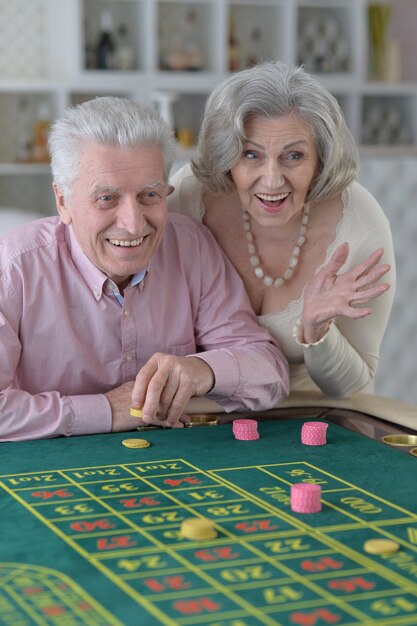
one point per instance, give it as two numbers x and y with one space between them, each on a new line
24 137
193 56
40 152
124 56
176 58
89 49
105 45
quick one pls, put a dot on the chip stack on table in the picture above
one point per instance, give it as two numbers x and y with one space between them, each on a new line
198 529
305 498
245 429
314 433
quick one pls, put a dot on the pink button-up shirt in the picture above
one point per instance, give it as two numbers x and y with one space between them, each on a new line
65 339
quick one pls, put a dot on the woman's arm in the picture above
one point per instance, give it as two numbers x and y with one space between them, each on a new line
352 311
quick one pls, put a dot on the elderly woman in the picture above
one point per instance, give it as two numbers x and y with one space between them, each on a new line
274 180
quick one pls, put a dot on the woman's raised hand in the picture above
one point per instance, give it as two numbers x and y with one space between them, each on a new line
332 294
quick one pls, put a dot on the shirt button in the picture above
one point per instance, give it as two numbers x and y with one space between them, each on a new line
129 357
126 312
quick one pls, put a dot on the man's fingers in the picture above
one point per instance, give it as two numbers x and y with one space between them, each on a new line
170 388
180 422
155 421
165 384
185 419
142 381
179 402
168 394
151 383
163 387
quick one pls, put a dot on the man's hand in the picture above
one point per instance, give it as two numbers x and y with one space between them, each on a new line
332 295
120 400
165 384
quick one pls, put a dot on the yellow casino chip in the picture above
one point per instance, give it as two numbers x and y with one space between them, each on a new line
381 546
136 412
198 529
136 443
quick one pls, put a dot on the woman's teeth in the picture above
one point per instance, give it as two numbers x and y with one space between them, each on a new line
268 198
126 243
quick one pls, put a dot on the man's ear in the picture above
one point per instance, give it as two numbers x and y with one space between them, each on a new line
62 209
170 189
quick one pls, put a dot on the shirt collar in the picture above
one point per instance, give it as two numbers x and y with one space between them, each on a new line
137 278
92 275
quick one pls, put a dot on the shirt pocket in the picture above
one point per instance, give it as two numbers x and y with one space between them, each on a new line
180 350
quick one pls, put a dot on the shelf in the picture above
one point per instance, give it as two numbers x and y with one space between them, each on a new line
389 152
330 36
15 169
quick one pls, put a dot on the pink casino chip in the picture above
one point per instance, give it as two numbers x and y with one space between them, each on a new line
305 498
245 429
245 423
314 433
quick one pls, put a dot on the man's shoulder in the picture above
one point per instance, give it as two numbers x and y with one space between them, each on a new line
29 238
187 239
179 219
185 225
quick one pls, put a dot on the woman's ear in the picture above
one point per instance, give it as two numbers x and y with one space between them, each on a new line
62 209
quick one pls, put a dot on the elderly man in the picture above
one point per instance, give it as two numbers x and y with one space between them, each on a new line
114 304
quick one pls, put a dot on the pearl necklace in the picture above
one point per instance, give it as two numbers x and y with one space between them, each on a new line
295 254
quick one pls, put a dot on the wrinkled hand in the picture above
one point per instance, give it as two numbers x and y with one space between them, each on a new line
332 295
165 384
120 400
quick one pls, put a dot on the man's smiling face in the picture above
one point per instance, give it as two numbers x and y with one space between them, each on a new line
117 207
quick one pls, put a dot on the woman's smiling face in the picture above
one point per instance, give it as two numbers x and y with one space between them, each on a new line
275 171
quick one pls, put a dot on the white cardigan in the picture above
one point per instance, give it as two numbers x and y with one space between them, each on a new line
344 361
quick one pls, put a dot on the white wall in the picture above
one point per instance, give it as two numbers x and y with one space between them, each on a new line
393 182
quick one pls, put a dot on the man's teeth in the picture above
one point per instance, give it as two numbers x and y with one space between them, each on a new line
126 243
268 198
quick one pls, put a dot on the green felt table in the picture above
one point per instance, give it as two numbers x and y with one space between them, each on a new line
90 530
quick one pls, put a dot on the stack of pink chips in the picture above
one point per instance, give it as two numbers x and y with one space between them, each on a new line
305 498
245 429
314 433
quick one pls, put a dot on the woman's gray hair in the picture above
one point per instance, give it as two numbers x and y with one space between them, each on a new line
109 121
274 90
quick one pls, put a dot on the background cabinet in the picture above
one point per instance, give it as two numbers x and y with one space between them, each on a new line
175 52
